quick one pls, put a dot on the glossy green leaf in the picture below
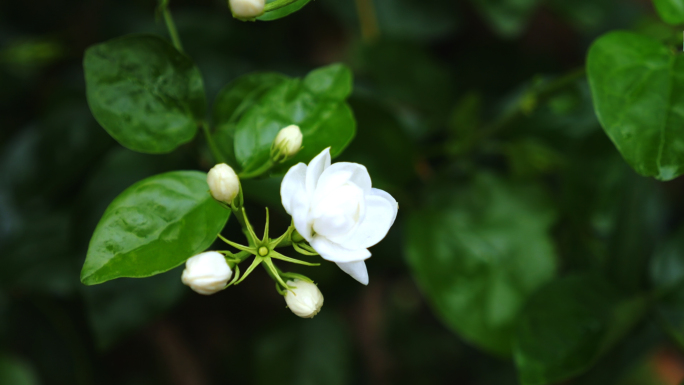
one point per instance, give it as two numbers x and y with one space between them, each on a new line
284 11
232 102
316 104
154 226
145 93
508 18
671 11
639 98
567 325
478 252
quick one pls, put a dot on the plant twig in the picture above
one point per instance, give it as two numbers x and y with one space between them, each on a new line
170 25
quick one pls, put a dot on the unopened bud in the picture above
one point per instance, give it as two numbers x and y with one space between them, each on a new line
305 300
207 273
246 9
287 143
224 184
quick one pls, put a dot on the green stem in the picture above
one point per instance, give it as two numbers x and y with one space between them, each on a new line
218 157
170 25
278 4
245 174
274 272
239 214
284 243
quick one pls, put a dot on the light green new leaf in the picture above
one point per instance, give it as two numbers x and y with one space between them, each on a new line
284 11
478 252
671 11
316 104
567 325
154 226
638 91
145 93
232 102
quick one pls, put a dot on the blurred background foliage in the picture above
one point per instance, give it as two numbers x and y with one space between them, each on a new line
523 240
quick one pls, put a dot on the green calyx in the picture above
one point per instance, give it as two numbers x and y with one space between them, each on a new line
263 250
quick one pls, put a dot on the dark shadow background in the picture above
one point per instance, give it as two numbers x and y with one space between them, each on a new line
59 170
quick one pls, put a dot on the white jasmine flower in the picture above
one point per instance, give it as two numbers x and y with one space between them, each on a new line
305 300
224 184
337 211
207 273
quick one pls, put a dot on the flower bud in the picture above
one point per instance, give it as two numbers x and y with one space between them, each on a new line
287 143
246 9
207 273
305 300
224 184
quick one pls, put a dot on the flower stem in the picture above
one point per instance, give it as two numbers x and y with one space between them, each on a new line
241 217
245 174
218 157
170 25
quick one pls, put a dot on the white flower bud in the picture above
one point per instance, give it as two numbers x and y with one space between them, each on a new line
207 273
246 9
305 300
224 184
287 143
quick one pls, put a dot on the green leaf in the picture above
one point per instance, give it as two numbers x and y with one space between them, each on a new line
284 11
232 102
671 11
567 325
478 252
145 93
508 18
316 104
154 226
638 98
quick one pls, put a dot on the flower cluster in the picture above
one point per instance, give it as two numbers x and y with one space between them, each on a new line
336 213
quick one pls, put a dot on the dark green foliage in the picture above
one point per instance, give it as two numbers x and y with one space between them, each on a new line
534 149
